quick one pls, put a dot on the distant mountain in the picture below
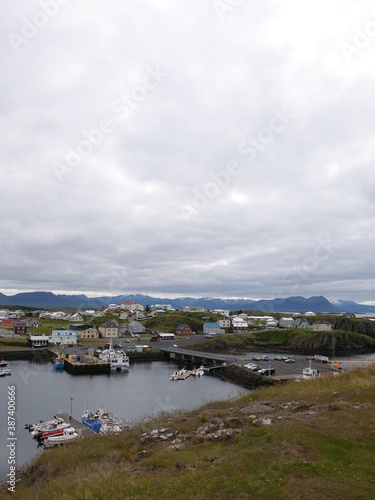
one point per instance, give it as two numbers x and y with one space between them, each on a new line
350 306
49 300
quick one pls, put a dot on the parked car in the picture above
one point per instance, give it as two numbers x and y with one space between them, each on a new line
278 358
256 358
265 358
290 360
267 371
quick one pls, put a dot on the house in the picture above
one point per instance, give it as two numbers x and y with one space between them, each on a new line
348 315
34 324
76 317
57 315
108 329
286 322
223 312
39 340
239 324
271 323
140 314
321 326
132 306
20 328
224 323
61 336
212 328
301 323
193 309
89 333
162 336
164 307
4 313
7 322
136 327
184 329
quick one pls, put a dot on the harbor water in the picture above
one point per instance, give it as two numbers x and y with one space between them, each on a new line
144 391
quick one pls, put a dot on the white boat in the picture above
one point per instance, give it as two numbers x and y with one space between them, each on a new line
49 429
198 372
118 360
109 425
4 372
68 436
180 375
41 424
309 372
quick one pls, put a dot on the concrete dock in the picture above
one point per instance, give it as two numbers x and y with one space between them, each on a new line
78 426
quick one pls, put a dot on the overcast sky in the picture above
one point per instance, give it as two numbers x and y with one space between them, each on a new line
216 148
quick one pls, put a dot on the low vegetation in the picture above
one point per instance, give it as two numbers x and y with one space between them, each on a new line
292 340
168 322
321 454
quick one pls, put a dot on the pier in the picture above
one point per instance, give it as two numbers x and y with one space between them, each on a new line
78 426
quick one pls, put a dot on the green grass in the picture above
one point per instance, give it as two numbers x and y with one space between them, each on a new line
168 322
11 343
330 456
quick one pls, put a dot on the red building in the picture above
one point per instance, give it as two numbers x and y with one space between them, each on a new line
20 327
184 329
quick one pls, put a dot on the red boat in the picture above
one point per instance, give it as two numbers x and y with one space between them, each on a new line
59 431
3 363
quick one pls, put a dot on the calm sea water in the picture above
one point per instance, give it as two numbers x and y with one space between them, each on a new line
145 391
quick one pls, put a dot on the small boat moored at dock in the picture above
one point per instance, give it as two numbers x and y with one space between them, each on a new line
91 421
68 436
309 372
108 424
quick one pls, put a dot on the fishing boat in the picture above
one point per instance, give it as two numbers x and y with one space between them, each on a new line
91 420
58 431
3 363
44 425
108 424
69 435
118 360
59 361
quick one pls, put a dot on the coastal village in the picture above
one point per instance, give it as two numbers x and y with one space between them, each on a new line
127 319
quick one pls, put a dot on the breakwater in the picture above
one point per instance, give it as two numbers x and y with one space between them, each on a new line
42 354
243 377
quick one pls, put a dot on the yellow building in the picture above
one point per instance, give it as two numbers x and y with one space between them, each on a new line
89 333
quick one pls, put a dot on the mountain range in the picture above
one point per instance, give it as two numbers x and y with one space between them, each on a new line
49 300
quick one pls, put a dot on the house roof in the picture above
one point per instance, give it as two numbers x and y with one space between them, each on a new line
182 326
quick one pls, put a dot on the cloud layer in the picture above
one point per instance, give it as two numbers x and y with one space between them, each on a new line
219 148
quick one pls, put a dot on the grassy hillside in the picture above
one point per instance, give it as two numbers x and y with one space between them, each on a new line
168 322
312 439
290 340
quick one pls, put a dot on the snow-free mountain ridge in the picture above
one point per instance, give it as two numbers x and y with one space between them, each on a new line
49 300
